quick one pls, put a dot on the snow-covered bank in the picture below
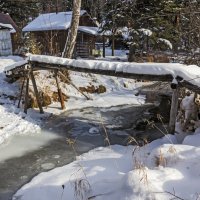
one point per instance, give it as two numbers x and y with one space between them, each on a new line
12 120
159 170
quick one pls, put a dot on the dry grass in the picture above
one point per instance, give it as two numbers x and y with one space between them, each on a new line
82 188
140 167
92 89
161 160
81 184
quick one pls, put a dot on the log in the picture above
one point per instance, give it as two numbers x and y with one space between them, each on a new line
65 78
173 111
149 77
59 91
36 92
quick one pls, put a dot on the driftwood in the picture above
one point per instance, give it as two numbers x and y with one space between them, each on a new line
36 92
59 91
65 78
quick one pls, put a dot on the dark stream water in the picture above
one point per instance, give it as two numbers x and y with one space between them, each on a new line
23 157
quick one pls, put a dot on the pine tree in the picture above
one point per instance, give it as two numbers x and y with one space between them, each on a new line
152 24
21 10
113 19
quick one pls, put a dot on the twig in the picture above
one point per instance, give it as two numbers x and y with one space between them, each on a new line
177 197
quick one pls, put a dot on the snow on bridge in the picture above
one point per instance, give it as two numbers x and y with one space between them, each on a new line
188 75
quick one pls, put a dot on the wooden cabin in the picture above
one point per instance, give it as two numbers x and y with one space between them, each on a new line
50 31
14 30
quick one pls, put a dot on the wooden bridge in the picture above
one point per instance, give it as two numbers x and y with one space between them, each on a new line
179 75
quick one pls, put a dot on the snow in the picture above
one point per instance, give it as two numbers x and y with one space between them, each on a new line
167 42
159 170
15 65
55 21
146 32
9 26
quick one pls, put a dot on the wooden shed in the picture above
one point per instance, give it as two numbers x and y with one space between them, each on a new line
50 31
14 30
5 40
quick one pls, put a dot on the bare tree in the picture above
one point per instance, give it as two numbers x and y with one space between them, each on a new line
71 40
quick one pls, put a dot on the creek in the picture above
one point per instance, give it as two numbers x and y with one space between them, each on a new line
24 156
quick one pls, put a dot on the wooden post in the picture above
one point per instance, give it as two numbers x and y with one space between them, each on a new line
173 111
21 92
104 48
59 91
26 94
36 92
113 45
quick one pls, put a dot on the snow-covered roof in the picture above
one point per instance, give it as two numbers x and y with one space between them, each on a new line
6 19
51 21
8 26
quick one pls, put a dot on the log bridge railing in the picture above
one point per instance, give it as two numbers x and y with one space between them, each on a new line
26 70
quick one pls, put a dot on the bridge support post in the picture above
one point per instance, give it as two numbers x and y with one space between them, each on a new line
173 111
36 92
59 91
26 94
21 92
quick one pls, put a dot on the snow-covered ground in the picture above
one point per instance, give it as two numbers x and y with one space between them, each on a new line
163 169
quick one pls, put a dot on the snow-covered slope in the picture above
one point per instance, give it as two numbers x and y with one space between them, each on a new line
12 120
162 169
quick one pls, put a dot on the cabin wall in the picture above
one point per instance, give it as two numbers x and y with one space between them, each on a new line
5 43
53 43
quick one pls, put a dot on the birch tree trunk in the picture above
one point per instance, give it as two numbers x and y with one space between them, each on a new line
71 41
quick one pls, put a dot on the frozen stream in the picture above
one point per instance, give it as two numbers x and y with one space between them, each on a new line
22 157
